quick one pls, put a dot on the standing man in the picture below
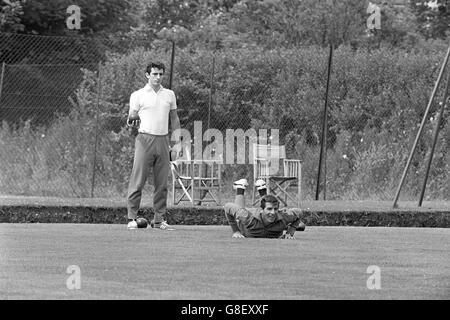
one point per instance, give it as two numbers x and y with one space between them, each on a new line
150 110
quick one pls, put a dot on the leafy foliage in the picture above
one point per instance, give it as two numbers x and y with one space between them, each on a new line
10 15
49 16
376 103
433 17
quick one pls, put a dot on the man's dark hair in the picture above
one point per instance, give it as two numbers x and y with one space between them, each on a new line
156 65
269 198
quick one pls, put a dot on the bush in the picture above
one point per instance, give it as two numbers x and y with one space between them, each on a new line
377 99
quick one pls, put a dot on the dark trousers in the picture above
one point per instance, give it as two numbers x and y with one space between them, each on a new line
151 152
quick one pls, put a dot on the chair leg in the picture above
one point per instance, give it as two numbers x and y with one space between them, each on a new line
220 193
299 185
253 195
285 197
192 191
173 192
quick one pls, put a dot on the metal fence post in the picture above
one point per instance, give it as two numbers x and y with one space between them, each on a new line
99 88
1 87
211 85
435 138
172 62
323 149
422 125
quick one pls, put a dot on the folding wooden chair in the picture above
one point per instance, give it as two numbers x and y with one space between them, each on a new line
280 174
198 180
183 179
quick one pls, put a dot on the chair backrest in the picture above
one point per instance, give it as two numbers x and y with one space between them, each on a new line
183 151
268 152
183 168
210 169
183 161
292 168
266 159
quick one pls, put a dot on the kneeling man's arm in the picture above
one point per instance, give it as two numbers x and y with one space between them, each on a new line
234 213
292 219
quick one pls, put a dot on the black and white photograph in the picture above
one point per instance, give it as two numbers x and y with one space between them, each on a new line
224 159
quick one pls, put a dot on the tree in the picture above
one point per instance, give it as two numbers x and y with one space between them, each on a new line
10 15
398 28
292 23
177 19
47 17
433 17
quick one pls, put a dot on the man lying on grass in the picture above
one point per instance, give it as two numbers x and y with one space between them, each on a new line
265 222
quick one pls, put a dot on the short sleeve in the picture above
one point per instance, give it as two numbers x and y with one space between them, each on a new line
134 102
291 216
173 102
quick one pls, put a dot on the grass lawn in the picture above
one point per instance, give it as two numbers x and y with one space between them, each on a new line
204 262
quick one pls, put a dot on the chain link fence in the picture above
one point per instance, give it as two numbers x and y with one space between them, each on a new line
64 102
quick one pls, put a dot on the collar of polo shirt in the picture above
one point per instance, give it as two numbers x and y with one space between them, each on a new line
148 87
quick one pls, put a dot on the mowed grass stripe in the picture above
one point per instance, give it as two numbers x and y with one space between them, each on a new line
203 262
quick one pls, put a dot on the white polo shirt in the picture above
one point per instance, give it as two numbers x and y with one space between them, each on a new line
153 109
